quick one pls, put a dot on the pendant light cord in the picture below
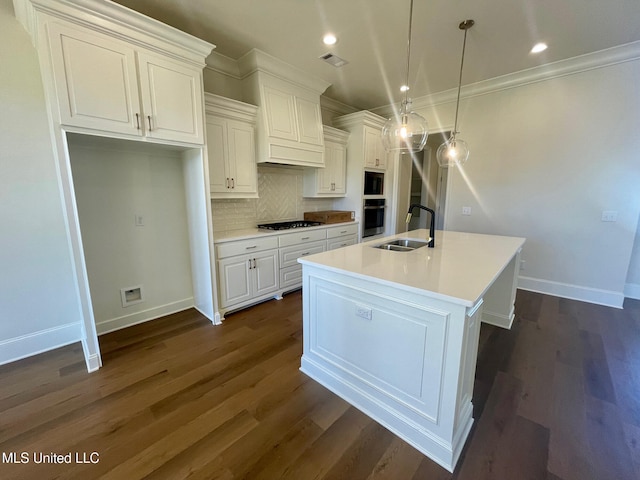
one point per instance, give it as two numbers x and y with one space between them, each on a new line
406 92
465 26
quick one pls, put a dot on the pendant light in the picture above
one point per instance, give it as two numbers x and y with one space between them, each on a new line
455 151
405 131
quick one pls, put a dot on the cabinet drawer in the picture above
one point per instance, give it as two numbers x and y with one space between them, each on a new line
290 255
341 242
343 230
291 276
302 237
251 245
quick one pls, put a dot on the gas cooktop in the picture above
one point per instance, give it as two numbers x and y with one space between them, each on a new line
288 225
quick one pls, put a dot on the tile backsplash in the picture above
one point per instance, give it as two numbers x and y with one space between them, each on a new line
280 190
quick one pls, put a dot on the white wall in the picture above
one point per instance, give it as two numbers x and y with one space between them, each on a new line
39 307
114 183
546 159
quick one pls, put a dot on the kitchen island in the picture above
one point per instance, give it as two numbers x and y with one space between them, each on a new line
395 333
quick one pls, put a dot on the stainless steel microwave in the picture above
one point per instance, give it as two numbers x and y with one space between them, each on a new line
373 183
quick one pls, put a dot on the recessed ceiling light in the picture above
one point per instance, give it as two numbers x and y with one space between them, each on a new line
329 39
404 88
539 47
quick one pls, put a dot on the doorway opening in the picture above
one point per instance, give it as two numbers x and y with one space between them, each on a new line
428 184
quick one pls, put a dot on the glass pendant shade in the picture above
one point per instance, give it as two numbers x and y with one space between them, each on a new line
452 153
405 133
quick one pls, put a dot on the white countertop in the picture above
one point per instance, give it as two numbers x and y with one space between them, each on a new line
459 269
246 233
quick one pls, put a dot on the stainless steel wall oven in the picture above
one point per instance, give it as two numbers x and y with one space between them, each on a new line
374 210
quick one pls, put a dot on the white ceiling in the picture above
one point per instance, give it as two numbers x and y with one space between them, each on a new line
373 35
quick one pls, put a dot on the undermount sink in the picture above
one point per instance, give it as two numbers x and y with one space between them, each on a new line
401 245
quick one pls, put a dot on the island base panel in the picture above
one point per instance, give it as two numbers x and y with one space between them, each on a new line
444 453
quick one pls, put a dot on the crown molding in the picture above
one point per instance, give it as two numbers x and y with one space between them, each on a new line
258 61
229 108
363 117
335 106
117 21
583 63
224 65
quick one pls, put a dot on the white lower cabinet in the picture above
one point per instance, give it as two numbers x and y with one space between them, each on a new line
290 269
342 236
247 271
256 269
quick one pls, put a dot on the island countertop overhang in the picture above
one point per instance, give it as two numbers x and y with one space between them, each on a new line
460 268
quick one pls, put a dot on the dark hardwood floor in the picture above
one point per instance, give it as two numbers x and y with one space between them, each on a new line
556 397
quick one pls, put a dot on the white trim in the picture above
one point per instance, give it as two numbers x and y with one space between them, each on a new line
632 290
590 61
30 344
258 61
598 296
112 324
224 65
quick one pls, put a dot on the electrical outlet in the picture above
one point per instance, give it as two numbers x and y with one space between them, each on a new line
609 216
466 210
363 312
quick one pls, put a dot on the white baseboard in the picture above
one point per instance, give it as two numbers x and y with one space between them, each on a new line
113 324
632 290
38 342
608 298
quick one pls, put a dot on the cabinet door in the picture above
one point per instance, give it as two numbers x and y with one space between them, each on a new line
339 168
95 80
235 280
375 155
324 176
171 99
309 122
280 115
265 273
217 151
242 157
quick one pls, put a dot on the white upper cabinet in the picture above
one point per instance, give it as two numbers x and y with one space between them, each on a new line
171 99
289 126
231 147
375 155
329 181
96 80
111 71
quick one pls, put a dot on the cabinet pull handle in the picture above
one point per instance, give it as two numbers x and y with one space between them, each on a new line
305 253
233 183
377 162
251 247
304 238
137 121
149 118
250 267
254 263
227 182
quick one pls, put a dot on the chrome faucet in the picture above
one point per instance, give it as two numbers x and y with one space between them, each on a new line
432 224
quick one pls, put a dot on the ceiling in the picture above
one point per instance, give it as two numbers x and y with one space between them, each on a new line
373 37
